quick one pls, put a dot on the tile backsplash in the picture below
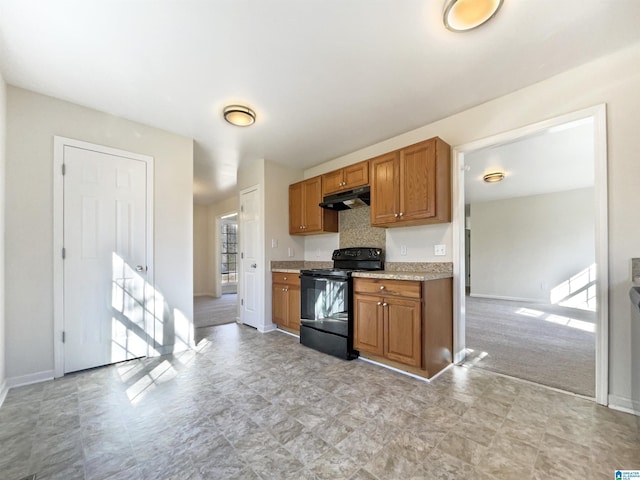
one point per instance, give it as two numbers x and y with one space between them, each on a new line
356 229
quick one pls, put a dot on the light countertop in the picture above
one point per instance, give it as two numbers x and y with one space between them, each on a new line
395 275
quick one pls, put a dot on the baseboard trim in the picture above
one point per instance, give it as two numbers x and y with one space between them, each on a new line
204 295
267 328
23 380
4 389
501 297
403 372
623 404
287 333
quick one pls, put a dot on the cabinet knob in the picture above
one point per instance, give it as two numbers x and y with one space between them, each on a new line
379 303
385 304
395 215
381 287
284 278
401 213
300 227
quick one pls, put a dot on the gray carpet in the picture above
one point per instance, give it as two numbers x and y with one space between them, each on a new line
546 344
211 311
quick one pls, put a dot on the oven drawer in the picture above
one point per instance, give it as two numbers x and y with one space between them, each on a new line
384 287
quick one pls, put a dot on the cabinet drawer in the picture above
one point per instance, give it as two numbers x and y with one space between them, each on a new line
286 278
383 287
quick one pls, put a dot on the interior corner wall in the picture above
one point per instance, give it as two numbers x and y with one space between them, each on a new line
521 248
3 131
32 122
278 242
612 80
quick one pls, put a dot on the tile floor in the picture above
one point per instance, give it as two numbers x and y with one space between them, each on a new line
247 405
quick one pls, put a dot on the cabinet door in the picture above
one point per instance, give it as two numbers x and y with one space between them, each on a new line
403 331
356 175
295 208
368 332
312 213
417 184
293 303
279 307
384 189
332 182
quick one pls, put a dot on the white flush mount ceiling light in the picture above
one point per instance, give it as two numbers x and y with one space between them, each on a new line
463 15
239 115
493 177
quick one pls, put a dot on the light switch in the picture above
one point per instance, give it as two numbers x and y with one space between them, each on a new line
440 250
403 249
290 252
274 243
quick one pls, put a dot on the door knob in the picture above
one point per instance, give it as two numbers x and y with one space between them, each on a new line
254 265
140 268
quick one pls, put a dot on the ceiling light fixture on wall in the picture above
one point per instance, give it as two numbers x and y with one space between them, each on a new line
493 177
239 115
463 15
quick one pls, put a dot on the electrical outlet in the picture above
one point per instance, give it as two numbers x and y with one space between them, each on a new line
403 249
439 250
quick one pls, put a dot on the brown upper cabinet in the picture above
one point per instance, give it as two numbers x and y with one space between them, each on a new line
305 216
346 178
412 186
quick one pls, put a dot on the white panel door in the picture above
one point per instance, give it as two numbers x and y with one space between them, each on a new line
250 257
105 258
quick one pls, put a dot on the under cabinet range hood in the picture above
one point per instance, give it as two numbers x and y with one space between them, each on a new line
358 197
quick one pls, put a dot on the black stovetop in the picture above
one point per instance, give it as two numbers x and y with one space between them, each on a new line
349 260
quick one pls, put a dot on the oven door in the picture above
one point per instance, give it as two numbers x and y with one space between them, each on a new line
325 303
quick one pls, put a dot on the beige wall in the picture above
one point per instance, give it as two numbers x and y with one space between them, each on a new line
32 122
612 80
3 131
521 248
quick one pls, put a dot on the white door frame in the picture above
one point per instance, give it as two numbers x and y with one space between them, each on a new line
59 144
599 115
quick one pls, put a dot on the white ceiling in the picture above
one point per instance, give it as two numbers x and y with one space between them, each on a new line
326 77
559 159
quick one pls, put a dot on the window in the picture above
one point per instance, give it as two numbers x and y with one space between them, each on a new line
228 264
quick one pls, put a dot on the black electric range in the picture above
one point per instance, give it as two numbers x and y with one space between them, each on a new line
326 301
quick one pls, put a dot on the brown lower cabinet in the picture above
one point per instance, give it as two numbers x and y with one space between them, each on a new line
285 299
405 322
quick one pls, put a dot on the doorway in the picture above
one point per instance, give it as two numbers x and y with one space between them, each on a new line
228 241
103 295
512 277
